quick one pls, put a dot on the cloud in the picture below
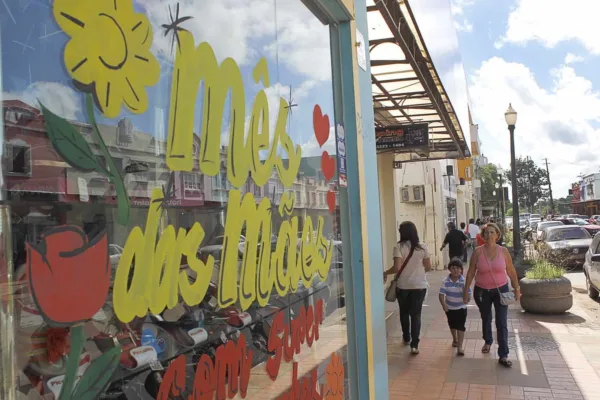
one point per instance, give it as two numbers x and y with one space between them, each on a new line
463 26
295 38
311 147
550 22
457 7
557 123
58 98
571 58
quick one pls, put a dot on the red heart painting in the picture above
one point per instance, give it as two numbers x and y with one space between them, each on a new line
331 201
320 125
327 165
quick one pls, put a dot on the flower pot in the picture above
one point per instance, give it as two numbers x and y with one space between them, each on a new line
546 296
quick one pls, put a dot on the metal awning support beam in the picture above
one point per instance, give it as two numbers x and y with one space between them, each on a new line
399 80
397 106
380 63
375 42
392 15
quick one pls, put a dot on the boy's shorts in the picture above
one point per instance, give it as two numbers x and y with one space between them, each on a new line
457 319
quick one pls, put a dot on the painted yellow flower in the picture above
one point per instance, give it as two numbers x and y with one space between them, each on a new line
109 52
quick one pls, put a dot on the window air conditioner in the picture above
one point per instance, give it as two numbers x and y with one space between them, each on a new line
412 194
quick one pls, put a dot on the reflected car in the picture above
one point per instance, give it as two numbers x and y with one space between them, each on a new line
565 245
114 252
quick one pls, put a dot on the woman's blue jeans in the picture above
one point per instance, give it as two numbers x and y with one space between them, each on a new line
485 298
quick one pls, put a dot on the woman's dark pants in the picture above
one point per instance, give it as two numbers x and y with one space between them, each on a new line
485 298
411 305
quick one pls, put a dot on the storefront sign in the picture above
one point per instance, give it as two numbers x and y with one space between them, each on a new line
402 136
341 154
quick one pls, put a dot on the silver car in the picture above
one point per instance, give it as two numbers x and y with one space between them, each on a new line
565 245
542 226
591 268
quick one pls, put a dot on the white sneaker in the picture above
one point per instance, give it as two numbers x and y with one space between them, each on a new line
414 350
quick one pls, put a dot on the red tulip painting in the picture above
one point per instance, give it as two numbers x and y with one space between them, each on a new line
69 276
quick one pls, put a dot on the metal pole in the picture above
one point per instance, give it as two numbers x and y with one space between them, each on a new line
503 200
515 197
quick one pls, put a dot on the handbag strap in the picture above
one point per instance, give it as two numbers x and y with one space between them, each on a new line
406 260
491 271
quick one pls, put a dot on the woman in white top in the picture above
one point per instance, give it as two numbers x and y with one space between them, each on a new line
412 283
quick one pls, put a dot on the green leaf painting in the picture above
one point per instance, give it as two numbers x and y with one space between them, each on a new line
98 375
69 143
76 151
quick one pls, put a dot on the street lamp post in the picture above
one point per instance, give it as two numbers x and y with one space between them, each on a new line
511 119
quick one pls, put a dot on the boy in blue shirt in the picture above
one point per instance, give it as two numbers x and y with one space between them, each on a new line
451 299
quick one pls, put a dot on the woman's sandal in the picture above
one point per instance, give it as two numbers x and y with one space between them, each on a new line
460 353
485 349
454 343
505 362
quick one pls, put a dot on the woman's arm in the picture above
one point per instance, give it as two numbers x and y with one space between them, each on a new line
395 268
512 273
427 264
471 272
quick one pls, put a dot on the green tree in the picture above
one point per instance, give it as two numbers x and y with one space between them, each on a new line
531 182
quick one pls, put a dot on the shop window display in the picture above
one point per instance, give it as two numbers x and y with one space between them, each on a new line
170 169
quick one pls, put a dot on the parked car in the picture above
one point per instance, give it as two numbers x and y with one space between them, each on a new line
573 221
595 219
565 245
591 268
543 226
592 229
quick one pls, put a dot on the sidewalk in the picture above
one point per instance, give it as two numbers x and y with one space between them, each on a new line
554 357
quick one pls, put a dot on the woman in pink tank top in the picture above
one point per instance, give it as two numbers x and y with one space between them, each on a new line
491 267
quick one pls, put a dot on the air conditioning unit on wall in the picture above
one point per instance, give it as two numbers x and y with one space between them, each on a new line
412 194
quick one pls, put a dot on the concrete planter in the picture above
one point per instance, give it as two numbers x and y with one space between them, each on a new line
546 296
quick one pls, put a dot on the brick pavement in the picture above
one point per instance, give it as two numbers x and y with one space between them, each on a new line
554 357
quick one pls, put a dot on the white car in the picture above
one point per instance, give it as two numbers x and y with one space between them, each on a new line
541 226
591 268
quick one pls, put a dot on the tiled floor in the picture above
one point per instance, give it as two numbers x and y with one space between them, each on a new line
554 357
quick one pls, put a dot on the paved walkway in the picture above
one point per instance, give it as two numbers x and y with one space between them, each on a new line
554 357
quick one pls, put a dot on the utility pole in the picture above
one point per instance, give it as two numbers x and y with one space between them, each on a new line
529 205
549 187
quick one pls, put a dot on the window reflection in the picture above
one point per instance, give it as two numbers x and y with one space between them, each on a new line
46 191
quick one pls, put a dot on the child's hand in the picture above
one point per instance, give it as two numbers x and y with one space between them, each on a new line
466 298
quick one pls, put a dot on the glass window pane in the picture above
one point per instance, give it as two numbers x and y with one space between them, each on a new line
171 172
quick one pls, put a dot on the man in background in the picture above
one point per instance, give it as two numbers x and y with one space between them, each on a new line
455 239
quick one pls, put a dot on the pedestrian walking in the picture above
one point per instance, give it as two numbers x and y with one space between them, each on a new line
465 229
491 266
411 262
455 240
451 299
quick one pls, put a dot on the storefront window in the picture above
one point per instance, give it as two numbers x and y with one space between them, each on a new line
170 172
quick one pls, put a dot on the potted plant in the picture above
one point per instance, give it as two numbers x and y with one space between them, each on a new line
545 290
